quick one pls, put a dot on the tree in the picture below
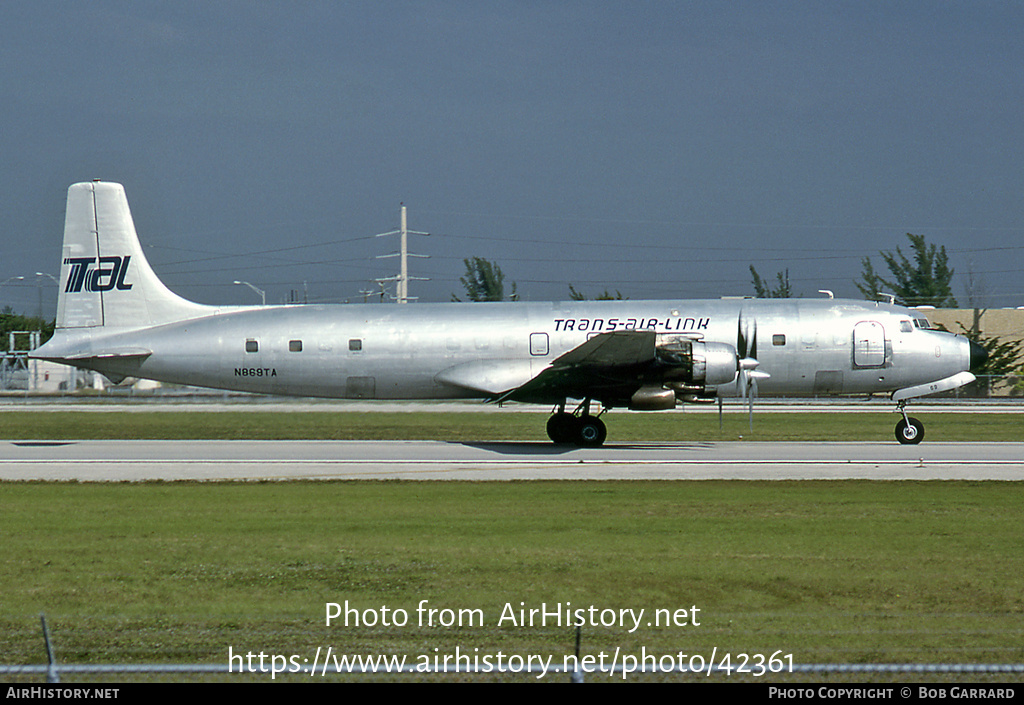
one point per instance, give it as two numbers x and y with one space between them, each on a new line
871 285
604 296
1005 357
925 281
484 281
761 290
10 321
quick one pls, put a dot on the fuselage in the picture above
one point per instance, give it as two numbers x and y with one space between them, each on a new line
806 347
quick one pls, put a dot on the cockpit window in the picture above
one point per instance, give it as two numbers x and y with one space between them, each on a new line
922 323
906 327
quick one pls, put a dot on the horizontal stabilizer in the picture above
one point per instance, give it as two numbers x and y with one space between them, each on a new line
108 354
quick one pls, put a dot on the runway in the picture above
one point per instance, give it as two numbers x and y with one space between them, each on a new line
136 461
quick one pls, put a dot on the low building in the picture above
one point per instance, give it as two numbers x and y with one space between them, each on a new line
1007 324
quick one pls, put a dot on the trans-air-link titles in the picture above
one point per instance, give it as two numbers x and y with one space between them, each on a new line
605 325
565 615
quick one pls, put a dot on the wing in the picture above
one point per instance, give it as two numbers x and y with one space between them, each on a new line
605 364
609 367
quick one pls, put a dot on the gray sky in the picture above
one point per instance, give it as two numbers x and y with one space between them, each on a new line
654 148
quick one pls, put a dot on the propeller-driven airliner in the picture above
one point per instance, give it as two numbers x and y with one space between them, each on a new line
116 317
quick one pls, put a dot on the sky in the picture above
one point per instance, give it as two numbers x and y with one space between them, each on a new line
655 149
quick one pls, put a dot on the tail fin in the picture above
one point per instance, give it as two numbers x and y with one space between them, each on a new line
106 280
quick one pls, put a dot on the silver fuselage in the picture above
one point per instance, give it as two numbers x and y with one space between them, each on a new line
380 351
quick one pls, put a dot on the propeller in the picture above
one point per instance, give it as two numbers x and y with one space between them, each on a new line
747 373
746 352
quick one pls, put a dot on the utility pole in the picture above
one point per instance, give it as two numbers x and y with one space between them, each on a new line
402 292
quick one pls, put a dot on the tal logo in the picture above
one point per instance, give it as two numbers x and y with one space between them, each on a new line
97 274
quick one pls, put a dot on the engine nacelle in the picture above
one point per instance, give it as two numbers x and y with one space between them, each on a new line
652 398
696 365
720 363
685 369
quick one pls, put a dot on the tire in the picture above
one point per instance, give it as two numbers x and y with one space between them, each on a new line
910 434
591 432
562 428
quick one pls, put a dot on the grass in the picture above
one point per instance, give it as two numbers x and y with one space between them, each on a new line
829 571
254 425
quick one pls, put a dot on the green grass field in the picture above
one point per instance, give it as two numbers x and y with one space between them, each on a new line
831 572
844 572
868 426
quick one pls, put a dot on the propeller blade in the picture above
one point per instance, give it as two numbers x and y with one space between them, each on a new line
750 377
741 339
745 347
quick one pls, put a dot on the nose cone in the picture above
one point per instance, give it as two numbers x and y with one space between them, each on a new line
979 356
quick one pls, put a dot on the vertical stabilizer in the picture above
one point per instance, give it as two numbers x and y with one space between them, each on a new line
105 278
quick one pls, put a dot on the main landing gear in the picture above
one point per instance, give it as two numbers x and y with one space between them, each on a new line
578 428
909 430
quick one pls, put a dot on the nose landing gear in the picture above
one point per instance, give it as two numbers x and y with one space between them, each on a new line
909 431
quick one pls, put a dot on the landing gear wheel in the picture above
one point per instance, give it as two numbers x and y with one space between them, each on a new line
562 428
591 432
909 431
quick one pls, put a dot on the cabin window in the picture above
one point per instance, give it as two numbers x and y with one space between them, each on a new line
252 346
778 339
355 344
294 346
538 343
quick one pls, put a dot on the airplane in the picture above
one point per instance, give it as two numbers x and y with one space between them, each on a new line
116 317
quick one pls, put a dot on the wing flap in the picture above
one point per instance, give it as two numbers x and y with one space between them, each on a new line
492 377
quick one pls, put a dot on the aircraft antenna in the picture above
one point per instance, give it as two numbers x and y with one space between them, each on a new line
402 290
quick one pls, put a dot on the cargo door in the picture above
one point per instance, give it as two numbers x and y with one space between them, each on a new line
868 344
